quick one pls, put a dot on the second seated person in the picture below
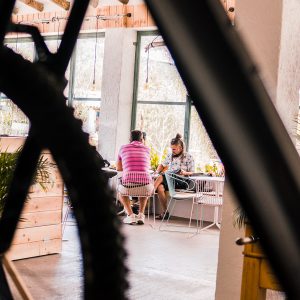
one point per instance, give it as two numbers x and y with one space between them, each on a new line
134 156
179 162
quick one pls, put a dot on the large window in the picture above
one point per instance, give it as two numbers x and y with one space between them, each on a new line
12 119
161 106
85 95
83 92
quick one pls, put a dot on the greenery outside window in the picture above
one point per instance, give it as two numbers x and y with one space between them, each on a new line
83 92
161 106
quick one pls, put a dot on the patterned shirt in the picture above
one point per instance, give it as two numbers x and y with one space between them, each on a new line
135 157
184 162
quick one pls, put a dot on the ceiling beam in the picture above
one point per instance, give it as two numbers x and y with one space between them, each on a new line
62 3
94 3
34 4
15 10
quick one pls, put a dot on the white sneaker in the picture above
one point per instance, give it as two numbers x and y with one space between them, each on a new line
130 219
140 219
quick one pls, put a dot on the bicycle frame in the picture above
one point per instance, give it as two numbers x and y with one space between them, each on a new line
261 161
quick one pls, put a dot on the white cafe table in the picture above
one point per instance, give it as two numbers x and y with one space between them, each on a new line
207 178
210 192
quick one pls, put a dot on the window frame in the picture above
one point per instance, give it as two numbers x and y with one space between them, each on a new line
70 98
136 102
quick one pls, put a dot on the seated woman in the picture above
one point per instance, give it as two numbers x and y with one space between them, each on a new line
134 157
179 162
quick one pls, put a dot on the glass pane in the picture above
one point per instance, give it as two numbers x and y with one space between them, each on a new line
200 145
88 69
53 46
26 49
12 119
89 113
161 123
158 79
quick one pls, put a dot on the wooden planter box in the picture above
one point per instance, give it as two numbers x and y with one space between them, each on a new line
257 275
40 229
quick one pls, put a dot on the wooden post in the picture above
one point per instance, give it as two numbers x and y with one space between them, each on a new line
16 278
257 275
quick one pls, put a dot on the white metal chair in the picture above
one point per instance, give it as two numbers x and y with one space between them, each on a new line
136 184
209 192
175 196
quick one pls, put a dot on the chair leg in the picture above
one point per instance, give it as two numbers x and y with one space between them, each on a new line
153 204
191 214
148 204
170 212
65 218
153 207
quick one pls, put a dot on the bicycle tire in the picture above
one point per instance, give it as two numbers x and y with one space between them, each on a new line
57 129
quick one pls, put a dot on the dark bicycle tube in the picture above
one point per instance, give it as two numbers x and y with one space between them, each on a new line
6 8
260 159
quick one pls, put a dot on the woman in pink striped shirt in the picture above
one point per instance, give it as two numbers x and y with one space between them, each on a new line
134 156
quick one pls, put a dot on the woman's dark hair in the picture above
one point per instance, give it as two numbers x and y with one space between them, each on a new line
177 140
136 135
144 135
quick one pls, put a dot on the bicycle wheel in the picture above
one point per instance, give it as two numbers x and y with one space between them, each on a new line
57 129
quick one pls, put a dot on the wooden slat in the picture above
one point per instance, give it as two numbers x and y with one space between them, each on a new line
62 3
33 249
40 218
34 4
36 204
54 189
35 234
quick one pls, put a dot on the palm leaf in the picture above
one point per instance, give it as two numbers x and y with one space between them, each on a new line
8 162
239 218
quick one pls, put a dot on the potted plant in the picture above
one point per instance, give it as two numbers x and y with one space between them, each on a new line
8 162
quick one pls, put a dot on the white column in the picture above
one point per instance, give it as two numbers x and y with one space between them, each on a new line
287 102
259 24
117 90
230 258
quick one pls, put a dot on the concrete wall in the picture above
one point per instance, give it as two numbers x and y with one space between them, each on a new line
259 25
287 102
117 90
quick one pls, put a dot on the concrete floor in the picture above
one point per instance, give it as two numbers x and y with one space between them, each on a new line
163 265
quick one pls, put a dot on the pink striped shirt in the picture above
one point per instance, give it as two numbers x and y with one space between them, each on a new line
135 157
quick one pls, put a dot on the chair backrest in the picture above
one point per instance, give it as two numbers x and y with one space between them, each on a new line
172 179
210 191
136 184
